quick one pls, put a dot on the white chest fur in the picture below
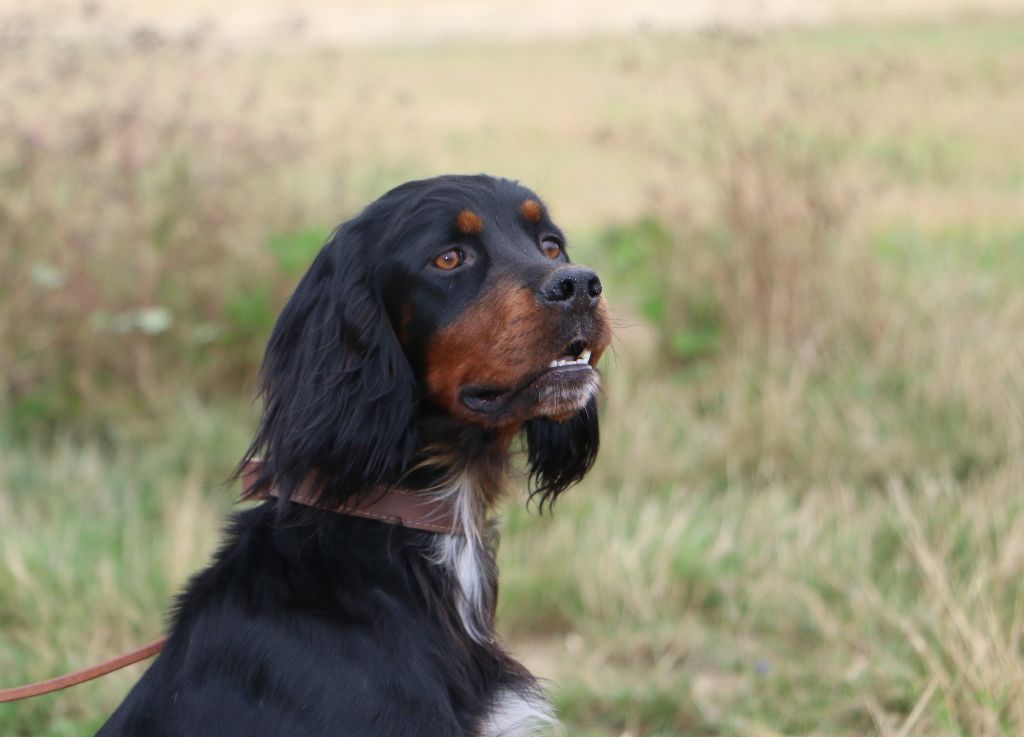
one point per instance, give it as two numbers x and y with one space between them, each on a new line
466 557
518 715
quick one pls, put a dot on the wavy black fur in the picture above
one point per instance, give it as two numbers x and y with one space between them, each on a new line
338 392
560 454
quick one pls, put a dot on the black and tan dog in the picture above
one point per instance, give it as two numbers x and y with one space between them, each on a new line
430 330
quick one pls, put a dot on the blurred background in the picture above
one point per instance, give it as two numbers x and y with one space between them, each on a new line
807 515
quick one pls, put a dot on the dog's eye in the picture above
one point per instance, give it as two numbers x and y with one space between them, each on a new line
449 259
552 248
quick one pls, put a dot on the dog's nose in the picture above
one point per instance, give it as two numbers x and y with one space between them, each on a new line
575 288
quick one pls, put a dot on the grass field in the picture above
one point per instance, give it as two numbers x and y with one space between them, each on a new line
807 518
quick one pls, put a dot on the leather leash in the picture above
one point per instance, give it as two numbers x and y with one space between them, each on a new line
392 506
83 675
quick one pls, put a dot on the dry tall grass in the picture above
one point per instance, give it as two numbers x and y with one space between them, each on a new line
131 251
816 521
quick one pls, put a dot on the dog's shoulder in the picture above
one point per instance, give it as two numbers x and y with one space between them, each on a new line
296 629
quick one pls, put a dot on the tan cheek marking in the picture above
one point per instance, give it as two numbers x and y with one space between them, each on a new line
493 344
531 210
468 222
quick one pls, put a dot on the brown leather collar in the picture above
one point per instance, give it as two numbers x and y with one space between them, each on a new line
393 506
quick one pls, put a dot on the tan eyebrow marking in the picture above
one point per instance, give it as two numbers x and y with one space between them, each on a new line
531 210
468 222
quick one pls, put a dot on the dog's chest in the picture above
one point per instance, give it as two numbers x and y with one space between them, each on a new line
468 559
517 715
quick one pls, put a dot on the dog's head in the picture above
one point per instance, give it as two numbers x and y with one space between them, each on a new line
450 297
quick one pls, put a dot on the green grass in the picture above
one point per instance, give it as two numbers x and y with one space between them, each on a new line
806 517
975 36
95 538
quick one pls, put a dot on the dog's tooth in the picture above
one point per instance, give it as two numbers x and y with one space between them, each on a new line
553 364
585 357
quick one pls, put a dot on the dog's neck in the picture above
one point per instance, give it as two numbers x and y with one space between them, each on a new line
463 468
467 466
467 557
451 452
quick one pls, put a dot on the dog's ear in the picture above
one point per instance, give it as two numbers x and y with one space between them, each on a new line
337 388
560 454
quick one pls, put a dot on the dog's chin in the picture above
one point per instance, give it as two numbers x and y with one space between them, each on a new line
559 392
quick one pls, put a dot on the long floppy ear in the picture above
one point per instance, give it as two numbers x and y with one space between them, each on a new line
560 454
338 391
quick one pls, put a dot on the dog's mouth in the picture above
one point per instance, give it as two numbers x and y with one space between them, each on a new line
562 387
576 354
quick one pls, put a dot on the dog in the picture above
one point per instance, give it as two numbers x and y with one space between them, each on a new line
435 335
